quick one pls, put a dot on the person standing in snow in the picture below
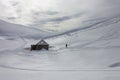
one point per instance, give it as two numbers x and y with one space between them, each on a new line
66 45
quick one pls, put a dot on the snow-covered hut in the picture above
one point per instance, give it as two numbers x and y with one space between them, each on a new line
40 45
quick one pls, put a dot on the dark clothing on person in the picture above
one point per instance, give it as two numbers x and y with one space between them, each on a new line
66 45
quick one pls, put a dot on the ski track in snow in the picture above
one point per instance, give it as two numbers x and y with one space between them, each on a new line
96 25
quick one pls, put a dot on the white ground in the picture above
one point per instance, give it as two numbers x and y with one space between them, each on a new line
92 54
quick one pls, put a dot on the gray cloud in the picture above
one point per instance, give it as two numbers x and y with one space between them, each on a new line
38 13
11 18
58 20
52 12
64 18
58 13
14 3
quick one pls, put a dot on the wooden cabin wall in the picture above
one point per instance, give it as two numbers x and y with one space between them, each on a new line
39 47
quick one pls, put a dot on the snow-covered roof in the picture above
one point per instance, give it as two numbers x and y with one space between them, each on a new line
42 42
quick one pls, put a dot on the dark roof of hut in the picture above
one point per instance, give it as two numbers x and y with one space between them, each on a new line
42 42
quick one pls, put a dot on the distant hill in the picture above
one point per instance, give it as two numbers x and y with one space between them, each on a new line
10 29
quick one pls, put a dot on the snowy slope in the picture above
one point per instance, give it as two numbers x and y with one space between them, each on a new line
9 29
101 34
92 54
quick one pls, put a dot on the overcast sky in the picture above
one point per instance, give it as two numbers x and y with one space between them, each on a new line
56 15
